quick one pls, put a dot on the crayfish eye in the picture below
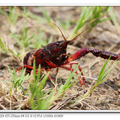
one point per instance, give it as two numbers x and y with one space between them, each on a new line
57 43
60 43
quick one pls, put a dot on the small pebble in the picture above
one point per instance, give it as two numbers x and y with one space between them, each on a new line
1 74
86 71
94 76
48 85
102 104
92 68
25 89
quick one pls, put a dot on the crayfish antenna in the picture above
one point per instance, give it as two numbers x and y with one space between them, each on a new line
60 31
78 35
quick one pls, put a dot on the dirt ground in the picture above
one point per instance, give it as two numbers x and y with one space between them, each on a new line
105 36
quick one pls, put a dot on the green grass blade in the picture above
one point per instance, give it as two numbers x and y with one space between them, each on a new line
38 75
102 72
17 39
4 13
101 77
45 14
113 17
2 45
29 39
108 71
69 78
34 69
90 16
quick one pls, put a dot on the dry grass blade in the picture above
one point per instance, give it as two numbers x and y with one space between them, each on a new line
64 102
1 106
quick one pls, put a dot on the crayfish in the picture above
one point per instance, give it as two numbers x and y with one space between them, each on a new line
54 56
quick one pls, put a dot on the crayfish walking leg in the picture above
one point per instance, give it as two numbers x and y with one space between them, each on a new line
70 69
30 68
79 68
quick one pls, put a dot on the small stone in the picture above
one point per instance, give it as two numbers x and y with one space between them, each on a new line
48 85
86 71
1 74
92 68
94 76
